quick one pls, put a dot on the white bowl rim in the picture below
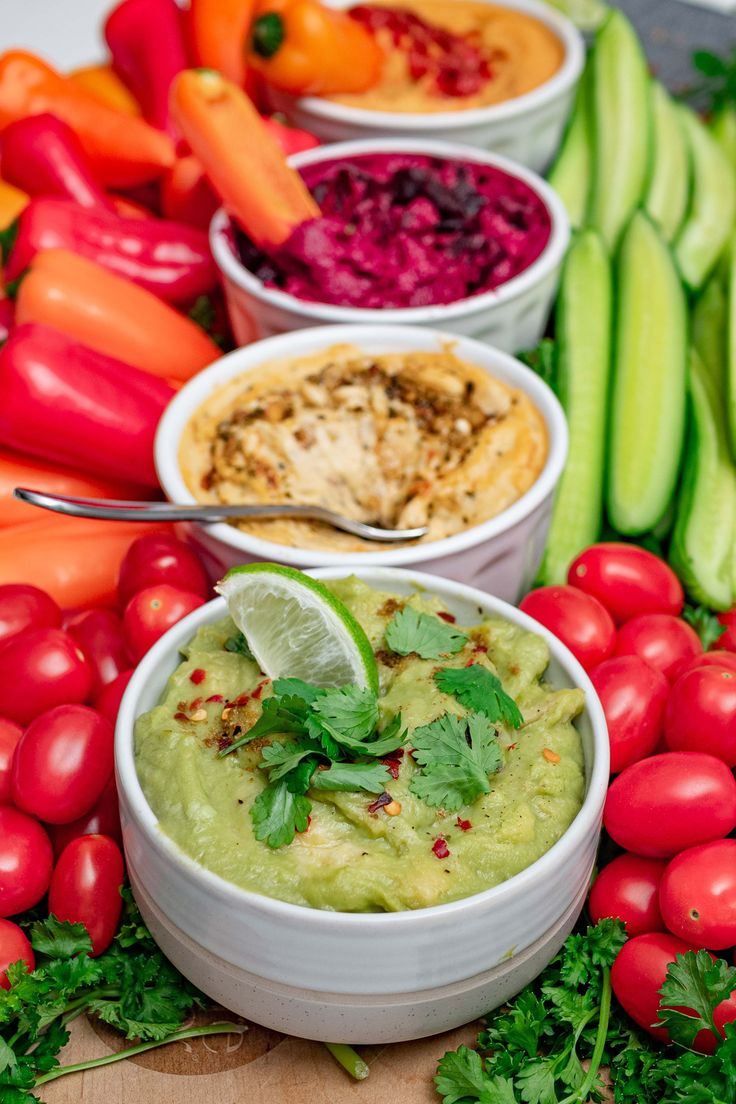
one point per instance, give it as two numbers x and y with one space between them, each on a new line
550 257
197 390
585 822
559 83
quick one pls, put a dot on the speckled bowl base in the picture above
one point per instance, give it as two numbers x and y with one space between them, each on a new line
337 1017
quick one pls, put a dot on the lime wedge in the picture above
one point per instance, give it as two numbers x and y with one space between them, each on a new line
296 628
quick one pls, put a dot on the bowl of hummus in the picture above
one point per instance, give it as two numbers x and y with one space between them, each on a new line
382 915
390 425
417 232
500 76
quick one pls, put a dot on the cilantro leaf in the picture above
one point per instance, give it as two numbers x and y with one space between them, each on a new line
59 938
456 755
278 814
278 714
333 739
705 623
424 633
477 688
349 710
372 777
695 985
279 759
237 643
297 688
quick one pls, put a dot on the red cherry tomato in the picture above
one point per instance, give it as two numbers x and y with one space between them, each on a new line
24 607
701 713
727 640
39 670
13 947
152 612
102 819
719 658
628 889
108 700
578 620
664 642
10 734
160 558
663 804
62 762
85 888
697 894
26 859
99 634
628 580
633 696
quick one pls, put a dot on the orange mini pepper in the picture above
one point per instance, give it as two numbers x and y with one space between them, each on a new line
123 149
102 83
303 47
12 202
217 30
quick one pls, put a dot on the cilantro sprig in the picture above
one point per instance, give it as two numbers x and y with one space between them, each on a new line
479 689
425 634
456 755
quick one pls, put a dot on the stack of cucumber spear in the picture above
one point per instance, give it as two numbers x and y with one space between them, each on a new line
645 361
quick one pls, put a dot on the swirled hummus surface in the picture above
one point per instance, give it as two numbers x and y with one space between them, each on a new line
398 440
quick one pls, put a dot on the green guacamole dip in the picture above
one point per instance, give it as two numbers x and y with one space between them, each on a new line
351 859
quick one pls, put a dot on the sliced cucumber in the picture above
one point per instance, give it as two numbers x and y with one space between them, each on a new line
621 119
649 380
707 226
723 129
583 328
669 186
570 173
709 330
587 15
702 543
730 351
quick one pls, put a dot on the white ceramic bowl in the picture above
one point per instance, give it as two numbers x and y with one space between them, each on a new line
500 555
357 977
511 316
527 128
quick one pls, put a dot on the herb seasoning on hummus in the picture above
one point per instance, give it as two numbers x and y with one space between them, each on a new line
403 439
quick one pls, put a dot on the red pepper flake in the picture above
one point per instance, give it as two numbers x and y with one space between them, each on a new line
463 825
198 675
447 616
180 717
224 741
215 698
392 762
197 703
440 848
259 690
480 648
383 799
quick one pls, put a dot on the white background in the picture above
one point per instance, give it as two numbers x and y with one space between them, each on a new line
65 32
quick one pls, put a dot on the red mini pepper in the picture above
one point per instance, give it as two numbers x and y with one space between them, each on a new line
43 156
75 406
7 318
147 46
169 259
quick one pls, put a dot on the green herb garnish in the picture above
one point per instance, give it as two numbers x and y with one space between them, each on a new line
277 813
705 623
695 986
456 755
719 83
479 689
423 633
238 644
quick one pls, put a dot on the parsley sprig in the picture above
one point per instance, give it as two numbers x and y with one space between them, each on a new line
695 985
424 634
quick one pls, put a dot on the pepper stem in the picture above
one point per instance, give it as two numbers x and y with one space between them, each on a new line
268 34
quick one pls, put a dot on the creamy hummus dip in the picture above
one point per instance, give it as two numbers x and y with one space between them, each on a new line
354 857
403 439
521 53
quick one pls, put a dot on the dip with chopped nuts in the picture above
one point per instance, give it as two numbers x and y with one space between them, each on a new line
362 852
403 439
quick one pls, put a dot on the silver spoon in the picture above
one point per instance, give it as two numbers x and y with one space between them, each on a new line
114 509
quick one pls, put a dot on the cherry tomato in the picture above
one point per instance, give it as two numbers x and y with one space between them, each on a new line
719 658
701 713
628 889
663 804
102 819
727 640
633 696
108 700
13 947
62 762
39 670
628 580
99 634
85 888
26 859
697 894
10 734
152 612
24 607
160 558
578 620
664 642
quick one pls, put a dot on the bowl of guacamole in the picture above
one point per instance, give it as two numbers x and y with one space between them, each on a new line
437 849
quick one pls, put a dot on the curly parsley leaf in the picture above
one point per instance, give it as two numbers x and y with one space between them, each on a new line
59 938
278 814
371 777
423 633
456 755
695 985
477 688
460 1075
705 623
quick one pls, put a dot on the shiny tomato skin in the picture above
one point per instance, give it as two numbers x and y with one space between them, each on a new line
576 619
13 947
628 889
697 894
633 696
102 819
39 670
727 639
62 762
665 642
665 803
157 558
627 580
152 612
26 859
107 702
99 634
24 607
701 713
85 888
10 734
719 658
